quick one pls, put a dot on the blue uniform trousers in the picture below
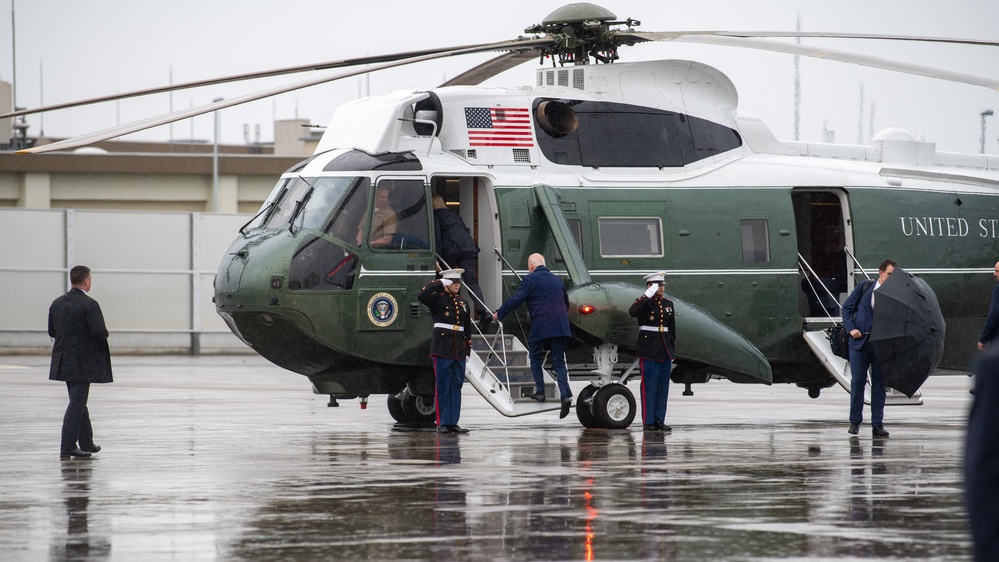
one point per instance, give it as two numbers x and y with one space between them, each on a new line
655 390
450 375
859 362
537 354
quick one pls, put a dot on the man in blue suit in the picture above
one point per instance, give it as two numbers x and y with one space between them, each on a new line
548 305
858 317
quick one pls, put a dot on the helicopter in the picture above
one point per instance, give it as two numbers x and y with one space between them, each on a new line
611 170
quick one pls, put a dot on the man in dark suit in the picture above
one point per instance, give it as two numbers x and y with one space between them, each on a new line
992 320
80 356
858 317
450 346
981 466
548 305
656 348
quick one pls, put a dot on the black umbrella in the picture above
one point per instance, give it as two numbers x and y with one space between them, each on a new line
908 331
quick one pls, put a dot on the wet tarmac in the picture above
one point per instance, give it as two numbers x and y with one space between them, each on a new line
231 458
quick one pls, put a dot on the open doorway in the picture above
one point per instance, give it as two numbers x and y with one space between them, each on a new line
467 199
821 218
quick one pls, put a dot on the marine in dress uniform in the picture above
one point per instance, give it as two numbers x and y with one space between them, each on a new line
449 346
656 348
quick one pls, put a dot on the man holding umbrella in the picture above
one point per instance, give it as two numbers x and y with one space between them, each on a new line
858 317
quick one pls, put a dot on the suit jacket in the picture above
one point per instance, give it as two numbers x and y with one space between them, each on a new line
992 320
448 308
547 303
657 313
80 352
452 238
858 314
981 468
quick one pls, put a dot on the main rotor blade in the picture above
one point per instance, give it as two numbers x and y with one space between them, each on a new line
246 76
822 53
490 68
673 35
151 122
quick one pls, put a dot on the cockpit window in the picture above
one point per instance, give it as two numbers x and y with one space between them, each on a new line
399 218
327 193
349 205
265 210
287 204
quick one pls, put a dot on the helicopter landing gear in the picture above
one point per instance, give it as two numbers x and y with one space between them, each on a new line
395 408
418 409
611 406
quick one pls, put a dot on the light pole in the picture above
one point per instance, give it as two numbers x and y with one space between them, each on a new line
985 113
215 162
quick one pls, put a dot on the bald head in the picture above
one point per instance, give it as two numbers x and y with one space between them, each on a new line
534 261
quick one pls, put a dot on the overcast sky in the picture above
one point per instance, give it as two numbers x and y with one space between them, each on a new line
69 49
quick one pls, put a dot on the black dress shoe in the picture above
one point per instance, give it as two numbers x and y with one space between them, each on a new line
445 429
457 429
539 396
663 427
648 427
566 404
77 452
92 449
880 431
485 322
854 429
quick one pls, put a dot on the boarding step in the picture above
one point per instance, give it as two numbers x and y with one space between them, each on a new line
818 341
499 369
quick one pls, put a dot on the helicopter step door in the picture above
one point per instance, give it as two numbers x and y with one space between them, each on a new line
498 368
818 342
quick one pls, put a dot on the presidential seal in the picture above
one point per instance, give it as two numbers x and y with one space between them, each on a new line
382 309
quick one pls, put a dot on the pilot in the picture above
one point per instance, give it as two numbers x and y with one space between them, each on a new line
383 221
656 348
450 345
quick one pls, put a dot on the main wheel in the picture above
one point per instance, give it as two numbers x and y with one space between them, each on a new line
395 408
583 410
418 409
614 406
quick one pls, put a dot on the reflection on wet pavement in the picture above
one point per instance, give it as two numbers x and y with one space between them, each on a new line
231 458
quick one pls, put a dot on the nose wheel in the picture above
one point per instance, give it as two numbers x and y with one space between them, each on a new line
610 406
406 407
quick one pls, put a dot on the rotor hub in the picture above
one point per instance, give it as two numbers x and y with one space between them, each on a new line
581 31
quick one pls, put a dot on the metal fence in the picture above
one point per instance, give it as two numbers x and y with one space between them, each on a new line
153 274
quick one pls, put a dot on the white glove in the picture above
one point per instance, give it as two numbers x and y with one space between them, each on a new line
651 291
446 282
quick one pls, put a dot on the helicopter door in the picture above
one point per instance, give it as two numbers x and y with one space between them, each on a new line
468 197
820 218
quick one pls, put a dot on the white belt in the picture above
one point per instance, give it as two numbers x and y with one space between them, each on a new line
655 329
454 327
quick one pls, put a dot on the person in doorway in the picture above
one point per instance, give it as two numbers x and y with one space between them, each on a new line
80 357
458 250
858 317
450 346
548 305
383 221
656 348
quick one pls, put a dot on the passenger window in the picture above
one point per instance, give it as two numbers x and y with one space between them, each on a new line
630 237
399 219
755 240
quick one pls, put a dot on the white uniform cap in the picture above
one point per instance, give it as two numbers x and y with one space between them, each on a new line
657 277
452 274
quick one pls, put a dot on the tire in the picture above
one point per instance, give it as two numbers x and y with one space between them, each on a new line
583 410
418 409
395 408
614 406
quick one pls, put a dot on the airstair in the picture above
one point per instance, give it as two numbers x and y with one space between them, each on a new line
499 369
817 338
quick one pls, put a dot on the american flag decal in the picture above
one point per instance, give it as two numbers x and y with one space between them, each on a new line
499 126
